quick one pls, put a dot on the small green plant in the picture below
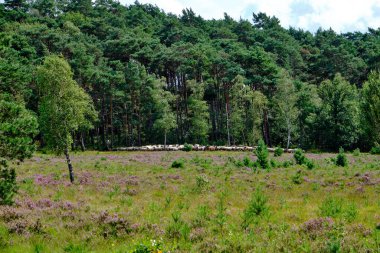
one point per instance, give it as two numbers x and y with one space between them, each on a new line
351 212
299 156
202 216
187 147
262 155
287 164
180 163
257 207
375 150
278 151
297 177
341 159
310 164
247 162
221 216
331 207
201 183
273 163
8 184
177 228
356 152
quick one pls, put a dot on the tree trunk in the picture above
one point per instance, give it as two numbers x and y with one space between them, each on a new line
71 173
83 147
165 140
288 143
228 127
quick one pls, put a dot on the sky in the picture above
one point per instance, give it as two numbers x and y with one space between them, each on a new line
340 15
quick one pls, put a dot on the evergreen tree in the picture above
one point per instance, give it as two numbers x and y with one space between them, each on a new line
338 118
371 106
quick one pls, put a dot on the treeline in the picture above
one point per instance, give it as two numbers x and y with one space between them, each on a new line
155 77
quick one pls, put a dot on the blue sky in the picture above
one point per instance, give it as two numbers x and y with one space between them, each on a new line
340 15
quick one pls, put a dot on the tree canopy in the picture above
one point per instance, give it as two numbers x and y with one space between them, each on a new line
154 76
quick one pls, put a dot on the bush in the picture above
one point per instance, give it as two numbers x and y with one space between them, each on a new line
257 207
287 164
177 228
273 163
341 159
178 163
262 155
8 185
247 162
187 147
356 152
278 152
201 183
297 178
375 150
310 164
299 156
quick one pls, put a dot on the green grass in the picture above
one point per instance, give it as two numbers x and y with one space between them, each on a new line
123 201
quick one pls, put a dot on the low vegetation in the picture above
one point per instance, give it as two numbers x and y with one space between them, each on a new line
140 202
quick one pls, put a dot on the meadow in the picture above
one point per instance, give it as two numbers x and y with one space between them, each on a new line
193 202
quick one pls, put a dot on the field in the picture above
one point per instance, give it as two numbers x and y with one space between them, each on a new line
212 202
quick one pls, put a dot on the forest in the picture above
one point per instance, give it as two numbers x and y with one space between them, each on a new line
135 75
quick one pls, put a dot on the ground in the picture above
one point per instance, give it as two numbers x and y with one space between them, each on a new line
213 202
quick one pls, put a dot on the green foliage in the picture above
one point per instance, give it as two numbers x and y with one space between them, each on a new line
262 155
187 147
331 207
375 150
339 115
310 164
177 228
221 216
180 163
371 105
256 209
201 183
61 114
165 118
18 126
8 184
297 177
299 156
278 152
341 159
356 152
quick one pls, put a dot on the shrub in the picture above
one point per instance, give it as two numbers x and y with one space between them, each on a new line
201 183
341 159
178 163
297 178
356 152
187 147
375 150
257 207
8 184
273 163
331 207
247 162
177 228
299 156
262 155
278 152
310 164
287 164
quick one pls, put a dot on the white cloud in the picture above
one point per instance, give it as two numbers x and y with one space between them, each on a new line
341 15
